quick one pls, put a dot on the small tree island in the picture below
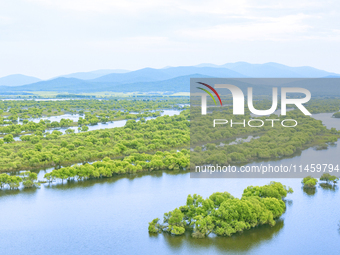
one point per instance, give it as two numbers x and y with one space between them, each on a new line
223 214
336 115
309 182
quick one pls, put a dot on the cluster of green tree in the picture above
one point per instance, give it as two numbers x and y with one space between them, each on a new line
30 126
136 162
4 121
309 182
111 108
276 140
224 215
37 151
28 180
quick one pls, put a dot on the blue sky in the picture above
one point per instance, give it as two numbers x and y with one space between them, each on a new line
46 38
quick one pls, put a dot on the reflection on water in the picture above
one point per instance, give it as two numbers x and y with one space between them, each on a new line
74 184
309 191
329 187
11 192
241 242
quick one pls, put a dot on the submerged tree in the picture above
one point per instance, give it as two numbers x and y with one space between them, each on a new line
30 179
329 178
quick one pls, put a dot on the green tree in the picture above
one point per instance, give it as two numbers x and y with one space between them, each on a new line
29 179
8 138
309 182
38 146
69 131
154 226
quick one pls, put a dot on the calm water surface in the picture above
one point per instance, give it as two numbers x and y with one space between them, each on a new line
111 216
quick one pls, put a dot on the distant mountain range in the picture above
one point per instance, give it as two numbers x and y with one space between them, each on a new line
93 74
273 70
17 80
170 79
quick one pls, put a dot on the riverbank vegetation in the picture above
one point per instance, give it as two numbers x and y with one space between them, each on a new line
134 163
27 179
223 214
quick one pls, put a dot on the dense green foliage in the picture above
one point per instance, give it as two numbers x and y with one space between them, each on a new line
224 215
309 182
16 129
37 151
163 133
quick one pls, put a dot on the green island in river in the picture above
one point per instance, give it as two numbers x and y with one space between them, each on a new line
223 214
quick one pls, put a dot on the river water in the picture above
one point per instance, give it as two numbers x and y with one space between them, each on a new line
110 216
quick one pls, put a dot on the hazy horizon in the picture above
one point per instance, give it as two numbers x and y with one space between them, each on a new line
106 69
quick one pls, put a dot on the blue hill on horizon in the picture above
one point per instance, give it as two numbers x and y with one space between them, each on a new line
174 79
